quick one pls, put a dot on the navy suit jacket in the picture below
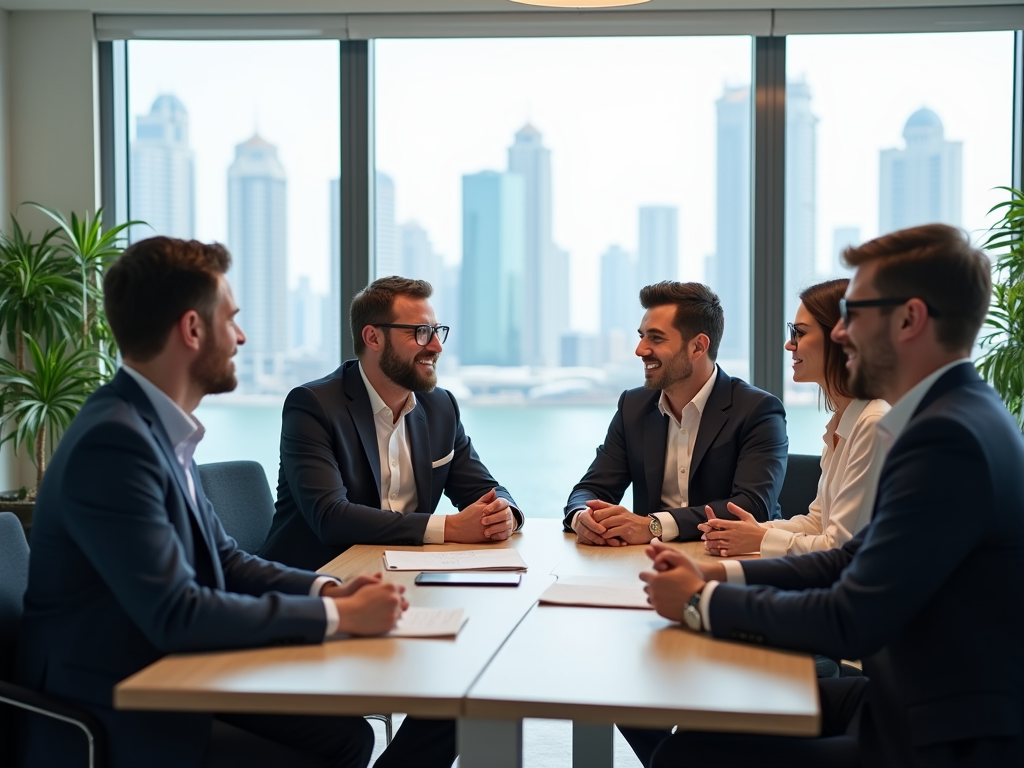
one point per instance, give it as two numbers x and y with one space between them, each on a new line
328 491
126 568
739 456
928 594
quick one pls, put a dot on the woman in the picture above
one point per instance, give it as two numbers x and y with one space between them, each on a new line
850 461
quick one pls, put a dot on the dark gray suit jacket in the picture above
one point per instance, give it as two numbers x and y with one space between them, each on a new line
328 492
126 568
739 456
928 594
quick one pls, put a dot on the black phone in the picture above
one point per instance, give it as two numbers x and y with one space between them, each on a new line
469 578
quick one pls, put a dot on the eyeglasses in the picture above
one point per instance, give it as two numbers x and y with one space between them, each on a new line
424 333
794 334
845 306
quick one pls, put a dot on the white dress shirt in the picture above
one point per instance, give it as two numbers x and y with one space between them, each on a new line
889 426
851 461
185 432
397 480
682 436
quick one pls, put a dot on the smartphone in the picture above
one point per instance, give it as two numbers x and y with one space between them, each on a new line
469 579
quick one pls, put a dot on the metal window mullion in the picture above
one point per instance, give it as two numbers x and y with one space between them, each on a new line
113 94
768 195
357 191
1017 175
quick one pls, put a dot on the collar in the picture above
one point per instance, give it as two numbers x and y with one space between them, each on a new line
845 425
699 401
895 421
377 403
180 426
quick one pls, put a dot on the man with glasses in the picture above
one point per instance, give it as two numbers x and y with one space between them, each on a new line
935 577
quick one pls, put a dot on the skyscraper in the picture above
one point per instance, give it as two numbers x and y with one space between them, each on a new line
332 304
307 314
389 257
801 194
545 268
842 237
257 239
493 255
162 174
620 308
658 244
922 183
728 272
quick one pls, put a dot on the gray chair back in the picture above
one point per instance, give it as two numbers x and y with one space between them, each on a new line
801 484
242 500
13 583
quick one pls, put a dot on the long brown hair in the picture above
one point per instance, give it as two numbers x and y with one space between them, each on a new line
822 302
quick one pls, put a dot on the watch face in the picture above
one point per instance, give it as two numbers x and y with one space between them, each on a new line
655 526
691 617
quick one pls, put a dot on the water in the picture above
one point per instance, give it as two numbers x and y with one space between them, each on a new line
537 452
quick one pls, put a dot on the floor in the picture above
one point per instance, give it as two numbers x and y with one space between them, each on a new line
546 744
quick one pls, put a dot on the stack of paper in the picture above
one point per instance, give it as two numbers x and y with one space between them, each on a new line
596 592
430 622
466 560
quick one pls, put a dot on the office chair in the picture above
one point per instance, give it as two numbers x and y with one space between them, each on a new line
13 582
800 485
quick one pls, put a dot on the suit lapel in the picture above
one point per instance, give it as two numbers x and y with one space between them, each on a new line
712 419
655 437
419 444
362 417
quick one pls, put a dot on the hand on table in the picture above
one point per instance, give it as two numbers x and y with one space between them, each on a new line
674 580
731 537
620 525
589 531
350 587
373 609
488 519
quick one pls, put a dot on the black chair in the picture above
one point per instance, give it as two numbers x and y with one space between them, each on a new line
801 484
13 583
241 498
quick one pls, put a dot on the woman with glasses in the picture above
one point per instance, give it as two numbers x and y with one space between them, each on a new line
851 458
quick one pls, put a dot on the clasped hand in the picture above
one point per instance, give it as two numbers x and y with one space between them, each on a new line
604 524
367 605
674 580
488 519
731 537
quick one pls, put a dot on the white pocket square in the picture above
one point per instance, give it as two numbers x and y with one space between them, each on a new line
442 462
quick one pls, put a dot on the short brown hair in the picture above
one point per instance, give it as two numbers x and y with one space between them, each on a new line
822 302
375 304
155 282
937 264
698 310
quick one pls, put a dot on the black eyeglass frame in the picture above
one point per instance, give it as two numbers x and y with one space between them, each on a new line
845 305
794 334
441 331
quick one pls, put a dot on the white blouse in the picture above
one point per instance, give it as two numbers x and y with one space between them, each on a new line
846 490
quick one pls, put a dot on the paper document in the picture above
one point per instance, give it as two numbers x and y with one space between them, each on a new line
596 592
430 622
466 560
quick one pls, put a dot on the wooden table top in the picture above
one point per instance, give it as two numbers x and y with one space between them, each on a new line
531 646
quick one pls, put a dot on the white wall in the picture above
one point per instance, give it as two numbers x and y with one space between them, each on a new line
8 470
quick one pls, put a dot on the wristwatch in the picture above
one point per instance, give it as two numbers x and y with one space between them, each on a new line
654 526
691 613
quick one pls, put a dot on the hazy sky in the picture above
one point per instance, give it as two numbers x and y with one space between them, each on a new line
629 122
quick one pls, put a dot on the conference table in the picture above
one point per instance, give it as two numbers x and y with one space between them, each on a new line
513 659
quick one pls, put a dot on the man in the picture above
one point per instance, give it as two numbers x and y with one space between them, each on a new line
924 588
129 561
367 451
692 436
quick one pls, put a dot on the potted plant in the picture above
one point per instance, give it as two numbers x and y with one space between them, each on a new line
53 325
1002 341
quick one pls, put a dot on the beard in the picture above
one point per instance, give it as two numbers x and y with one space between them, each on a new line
679 368
408 374
213 370
874 370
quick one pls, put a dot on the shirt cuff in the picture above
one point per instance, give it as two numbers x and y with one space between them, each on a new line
434 533
516 514
705 604
734 573
332 617
318 584
669 526
775 543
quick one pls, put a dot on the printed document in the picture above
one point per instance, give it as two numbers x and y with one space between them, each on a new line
430 622
596 592
466 560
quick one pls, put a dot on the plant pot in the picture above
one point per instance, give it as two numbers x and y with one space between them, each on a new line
23 509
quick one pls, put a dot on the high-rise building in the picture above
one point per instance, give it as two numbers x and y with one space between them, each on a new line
389 257
842 238
620 307
493 255
801 194
922 183
332 304
162 173
658 244
257 239
419 261
307 313
728 272
545 268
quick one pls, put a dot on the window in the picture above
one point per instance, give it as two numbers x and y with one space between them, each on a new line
238 142
919 130
538 189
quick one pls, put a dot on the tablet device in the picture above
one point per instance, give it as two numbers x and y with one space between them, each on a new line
469 579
